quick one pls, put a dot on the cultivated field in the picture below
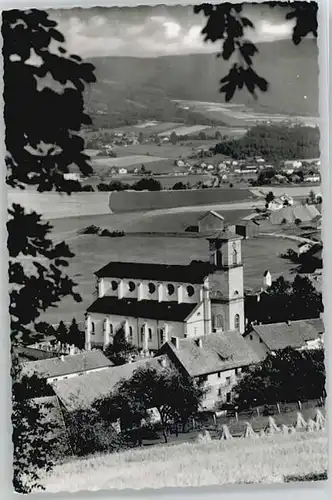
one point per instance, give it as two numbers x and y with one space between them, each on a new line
241 114
194 464
164 150
125 161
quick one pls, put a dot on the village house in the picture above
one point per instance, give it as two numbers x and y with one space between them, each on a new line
65 367
154 302
216 359
122 171
275 204
210 221
311 178
72 176
247 228
300 334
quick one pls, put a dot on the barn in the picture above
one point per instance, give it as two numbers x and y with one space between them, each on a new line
247 228
210 221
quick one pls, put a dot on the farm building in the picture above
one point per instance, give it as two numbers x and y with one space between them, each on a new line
210 221
216 359
247 228
300 334
154 302
72 176
81 392
303 213
64 367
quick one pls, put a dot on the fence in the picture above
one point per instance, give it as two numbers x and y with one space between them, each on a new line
283 413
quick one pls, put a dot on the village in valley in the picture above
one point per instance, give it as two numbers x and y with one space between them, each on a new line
192 319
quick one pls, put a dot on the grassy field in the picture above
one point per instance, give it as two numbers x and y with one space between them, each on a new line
270 459
125 161
93 252
168 150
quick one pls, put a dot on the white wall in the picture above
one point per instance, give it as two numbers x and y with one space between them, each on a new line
195 324
105 288
219 384
134 326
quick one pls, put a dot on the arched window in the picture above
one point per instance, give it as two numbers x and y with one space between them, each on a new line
219 321
190 291
150 334
131 286
131 332
111 329
114 285
170 289
93 329
152 287
235 254
237 321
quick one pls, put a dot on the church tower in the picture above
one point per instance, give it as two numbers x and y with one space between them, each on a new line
226 281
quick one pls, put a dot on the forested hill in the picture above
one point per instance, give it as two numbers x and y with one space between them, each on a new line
145 86
274 143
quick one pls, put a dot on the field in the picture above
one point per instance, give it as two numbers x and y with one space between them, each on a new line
125 161
164 150
92 252
270 459
241 114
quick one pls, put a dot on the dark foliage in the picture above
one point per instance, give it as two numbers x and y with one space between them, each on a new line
148 184
179 185
286 301
226 22
120 350
175 397
274 143
286 376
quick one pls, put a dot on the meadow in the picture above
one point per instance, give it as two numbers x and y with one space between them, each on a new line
168 150
270 459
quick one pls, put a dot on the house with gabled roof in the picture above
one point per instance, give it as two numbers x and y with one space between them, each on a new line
299 334
216 359
63 367
211 221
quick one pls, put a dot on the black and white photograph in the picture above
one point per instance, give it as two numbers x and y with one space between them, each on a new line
165 251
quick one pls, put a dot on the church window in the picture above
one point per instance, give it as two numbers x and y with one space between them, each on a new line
111 329
93 329
150 334
152 287
228 397
190 291
236 292
162 340
131 332
237 321
131 286
114 285
170 289
235 255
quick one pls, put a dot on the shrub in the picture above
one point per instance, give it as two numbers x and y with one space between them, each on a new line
112 234
90 230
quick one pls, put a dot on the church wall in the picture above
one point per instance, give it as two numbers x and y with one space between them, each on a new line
195 324
134 332
143 292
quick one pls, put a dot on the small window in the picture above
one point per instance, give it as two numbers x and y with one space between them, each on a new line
150 334
93 330
219 391
190 291
228 397
219 374
111 329
131 286
228 380
130 331
237 321
170 289
114 285
250 337
152 287
237 371
236 293
260 341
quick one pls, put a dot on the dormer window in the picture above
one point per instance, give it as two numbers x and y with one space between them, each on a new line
151 287
190 291
114 285
131 286
170 289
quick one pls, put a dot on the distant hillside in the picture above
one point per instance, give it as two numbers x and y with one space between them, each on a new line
137 88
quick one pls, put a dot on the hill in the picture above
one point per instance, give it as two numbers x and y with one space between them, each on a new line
129 89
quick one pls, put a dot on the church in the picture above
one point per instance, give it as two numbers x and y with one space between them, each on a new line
157 303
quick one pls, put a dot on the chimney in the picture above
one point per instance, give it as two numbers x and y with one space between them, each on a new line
175 342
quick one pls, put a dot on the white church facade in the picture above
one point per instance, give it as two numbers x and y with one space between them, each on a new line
155 303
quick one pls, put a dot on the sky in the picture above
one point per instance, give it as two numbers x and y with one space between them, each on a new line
155 31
